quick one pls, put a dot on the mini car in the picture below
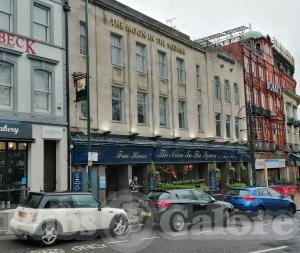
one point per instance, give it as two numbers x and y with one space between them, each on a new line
48 217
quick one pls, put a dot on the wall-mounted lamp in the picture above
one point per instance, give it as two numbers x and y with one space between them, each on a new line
106 133
176 138
133 135
156 137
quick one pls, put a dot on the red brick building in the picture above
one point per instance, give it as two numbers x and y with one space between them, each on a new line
268 70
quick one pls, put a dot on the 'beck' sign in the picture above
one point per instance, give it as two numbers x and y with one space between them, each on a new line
13 41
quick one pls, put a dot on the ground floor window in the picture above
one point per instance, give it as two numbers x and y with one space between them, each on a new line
177 172
13 173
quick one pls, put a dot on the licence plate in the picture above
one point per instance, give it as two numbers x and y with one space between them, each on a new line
22 215
146 214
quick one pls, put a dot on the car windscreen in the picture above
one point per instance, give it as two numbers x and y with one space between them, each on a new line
33 200
160 195
238 192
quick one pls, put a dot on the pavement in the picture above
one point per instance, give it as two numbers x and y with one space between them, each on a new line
297 200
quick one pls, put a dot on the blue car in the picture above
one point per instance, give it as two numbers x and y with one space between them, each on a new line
259 201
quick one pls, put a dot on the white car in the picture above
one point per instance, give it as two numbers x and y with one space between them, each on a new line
47 217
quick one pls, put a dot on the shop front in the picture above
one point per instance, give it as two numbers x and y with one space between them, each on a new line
15 137
118 164
277 171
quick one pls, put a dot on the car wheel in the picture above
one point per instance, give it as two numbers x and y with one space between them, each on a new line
226 218
49 234
261 214
292 211
118 226
177 222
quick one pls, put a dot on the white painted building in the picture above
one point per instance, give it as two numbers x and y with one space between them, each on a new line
33 112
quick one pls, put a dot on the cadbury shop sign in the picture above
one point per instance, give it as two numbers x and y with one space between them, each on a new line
11 41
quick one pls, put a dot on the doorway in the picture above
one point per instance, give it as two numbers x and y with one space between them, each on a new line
49 166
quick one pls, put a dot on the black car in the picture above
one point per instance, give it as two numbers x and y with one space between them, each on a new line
176 208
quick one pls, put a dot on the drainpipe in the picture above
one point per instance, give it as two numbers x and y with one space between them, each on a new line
67 9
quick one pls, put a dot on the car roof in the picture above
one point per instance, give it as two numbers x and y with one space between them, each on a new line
62 193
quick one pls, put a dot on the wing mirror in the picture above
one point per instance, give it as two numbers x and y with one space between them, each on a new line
213 200
99 207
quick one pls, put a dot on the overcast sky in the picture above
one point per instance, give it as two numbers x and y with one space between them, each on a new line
199 18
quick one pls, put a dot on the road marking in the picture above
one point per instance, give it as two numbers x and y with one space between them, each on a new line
48 251
179 234
269 250
88 247
150 238
118 242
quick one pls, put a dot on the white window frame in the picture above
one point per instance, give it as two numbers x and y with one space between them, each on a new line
118 49
141 58
200 118
46 26
227 91
198 77
218 123
11 86
182 109
10 16
120 101
82 38
163 109
162 65
49 93
237 128
181 74
228 126
144 105
217 88
236 94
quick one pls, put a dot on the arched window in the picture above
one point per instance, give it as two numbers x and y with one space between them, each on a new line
42 91
6 85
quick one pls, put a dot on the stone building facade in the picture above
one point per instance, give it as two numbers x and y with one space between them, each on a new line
152 102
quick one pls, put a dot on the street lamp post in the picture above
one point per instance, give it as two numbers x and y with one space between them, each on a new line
251 143
89 165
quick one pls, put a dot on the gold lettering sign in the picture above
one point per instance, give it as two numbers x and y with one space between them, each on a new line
145 35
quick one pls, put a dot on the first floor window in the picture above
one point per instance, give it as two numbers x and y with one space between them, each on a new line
141 58
142 107
6 84
236 94
217 88
227 92
237 127
163 108
200 127
116 50
181 78
117 104
162 65
198 77
182 114
228 126
218 124
42 90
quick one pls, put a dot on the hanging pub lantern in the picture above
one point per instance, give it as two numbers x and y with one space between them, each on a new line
80 86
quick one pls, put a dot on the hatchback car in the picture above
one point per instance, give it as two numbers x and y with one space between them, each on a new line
260 201
176 208
47 217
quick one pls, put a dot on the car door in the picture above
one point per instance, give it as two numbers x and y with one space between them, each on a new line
203 207
279 204
185 200
87 211
60 208
265 199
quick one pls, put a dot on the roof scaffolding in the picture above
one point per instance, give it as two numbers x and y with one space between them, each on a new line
223 38
283 51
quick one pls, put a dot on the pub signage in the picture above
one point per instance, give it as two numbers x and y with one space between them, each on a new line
15 130
147 155
11 41
273 87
